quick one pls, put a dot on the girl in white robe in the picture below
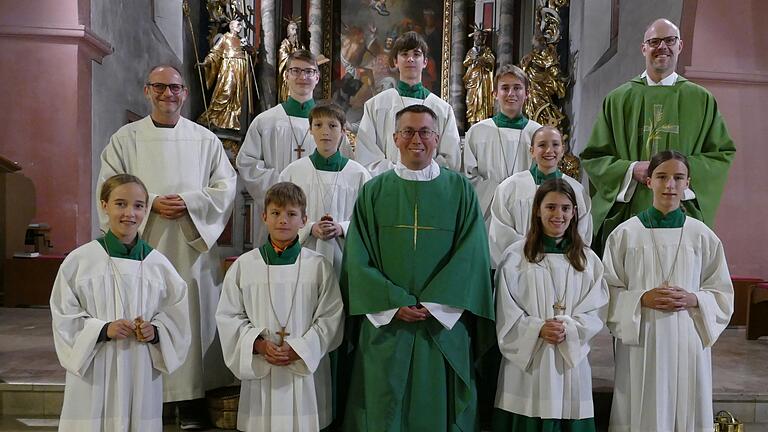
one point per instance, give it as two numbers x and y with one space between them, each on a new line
551 301
671 297
119 321
513 199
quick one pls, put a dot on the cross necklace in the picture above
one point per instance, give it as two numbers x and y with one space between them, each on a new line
324 193
665 278
559 306
503 153
282 333
299 146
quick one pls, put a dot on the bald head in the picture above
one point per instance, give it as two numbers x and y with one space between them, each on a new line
661 25
661 47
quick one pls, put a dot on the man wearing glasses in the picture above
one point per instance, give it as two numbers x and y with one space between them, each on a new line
658 110
280 135
416 284
191 193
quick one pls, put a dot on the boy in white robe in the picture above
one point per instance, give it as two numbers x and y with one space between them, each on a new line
513 199
331 183
551 300
279 316
119 321
279 135
498 147
671 297
376 149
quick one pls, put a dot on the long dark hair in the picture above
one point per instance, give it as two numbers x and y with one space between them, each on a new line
534 240
665 155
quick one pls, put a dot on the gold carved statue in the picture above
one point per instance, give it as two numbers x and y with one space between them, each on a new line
478 79
226 66
287 47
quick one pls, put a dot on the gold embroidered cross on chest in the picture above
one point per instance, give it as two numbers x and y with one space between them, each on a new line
415 226
655 129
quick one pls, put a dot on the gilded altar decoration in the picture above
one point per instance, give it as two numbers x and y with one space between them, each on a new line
226 67
290 44
478 78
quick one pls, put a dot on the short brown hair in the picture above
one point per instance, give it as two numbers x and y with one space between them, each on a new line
510 69
118 180
286 193
406 42
415 109
328 110
303 55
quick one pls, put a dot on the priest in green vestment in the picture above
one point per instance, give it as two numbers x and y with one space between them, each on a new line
416 284
658 110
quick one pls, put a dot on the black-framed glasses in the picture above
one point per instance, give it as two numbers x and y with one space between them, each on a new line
159 88
296 72
668 41
423 133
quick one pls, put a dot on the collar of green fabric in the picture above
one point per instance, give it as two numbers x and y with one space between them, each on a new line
552 246
641 80
502 121
336 162
417 91
539 177
271 257
653 218
117 249
295 108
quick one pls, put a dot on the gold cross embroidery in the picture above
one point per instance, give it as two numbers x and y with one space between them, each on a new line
655 129
416 227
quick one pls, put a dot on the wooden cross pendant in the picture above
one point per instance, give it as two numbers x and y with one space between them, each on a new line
282 333
559 308
299 150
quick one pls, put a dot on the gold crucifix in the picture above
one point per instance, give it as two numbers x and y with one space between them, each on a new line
415 225
282 333
559 308
656 128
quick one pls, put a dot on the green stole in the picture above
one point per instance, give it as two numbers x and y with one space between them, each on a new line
116 249
295 108
685 118
287 257
335 163
539 177
416 91
654 218
502 121
551 244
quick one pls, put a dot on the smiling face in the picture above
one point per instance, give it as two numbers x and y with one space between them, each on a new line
327 133
668 181
662 60
166 106
125 209
511 95
283 222
410 64
555 212
547 149
416 152
301 86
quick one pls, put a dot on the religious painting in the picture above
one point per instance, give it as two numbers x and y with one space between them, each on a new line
364 32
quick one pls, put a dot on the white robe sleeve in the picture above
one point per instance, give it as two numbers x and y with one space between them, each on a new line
368 151
470 160
585 217
449 147
172 322
325 333
624 308
237 333
503 230
75 332
715 295
251 165
517 332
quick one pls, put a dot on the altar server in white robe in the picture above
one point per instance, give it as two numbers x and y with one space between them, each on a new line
331 183
498 147
376 149
280 315
671 297
119 321
513 199
191 194
551 300
279 135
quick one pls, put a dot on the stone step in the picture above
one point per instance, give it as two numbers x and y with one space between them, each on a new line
31 399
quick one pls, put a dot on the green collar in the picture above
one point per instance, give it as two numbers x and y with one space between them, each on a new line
502 121
552 246
271 257
539 177
335 163
417 91
294 108
653 218
117 249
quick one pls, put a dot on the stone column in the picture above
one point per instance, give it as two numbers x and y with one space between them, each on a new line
315 26
457 92
506 32
268 66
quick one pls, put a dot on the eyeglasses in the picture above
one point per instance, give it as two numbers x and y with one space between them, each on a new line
296 72
159 88
423 133
668 41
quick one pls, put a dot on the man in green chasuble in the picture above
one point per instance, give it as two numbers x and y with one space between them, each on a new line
416 282
658 110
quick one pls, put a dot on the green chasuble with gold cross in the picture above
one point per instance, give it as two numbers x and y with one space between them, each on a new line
414 242
637 121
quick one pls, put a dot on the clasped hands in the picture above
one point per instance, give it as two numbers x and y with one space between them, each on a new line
669 299
553 331
169 206
326 230
413 313
277 355
142 330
